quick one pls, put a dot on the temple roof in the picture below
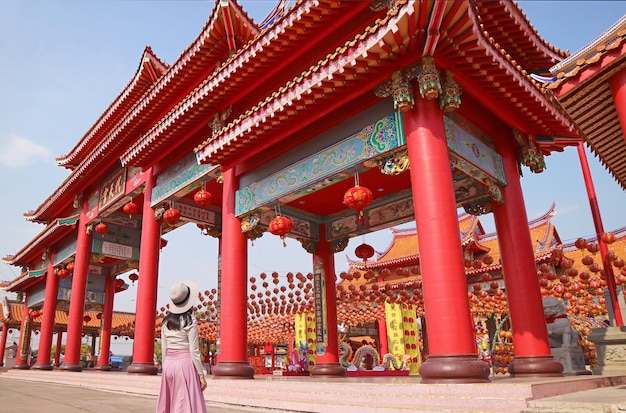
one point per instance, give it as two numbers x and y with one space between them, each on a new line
404 247
581 84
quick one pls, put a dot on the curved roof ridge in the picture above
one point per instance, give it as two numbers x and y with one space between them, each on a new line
149 70
543 218
590 48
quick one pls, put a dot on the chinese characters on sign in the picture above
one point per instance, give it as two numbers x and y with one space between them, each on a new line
319 286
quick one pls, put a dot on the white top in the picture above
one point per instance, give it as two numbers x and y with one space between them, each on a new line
185 338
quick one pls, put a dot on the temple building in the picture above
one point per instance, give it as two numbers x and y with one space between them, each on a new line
328 121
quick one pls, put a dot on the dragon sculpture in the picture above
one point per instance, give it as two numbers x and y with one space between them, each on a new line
389 360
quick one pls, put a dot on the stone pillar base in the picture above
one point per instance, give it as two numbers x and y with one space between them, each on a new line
328 370
21 367
538 366
464 368
143 368
70 367
233 370
572 359
105 367
611 348
42 366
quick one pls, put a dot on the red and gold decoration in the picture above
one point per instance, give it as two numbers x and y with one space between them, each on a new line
62 273
131 209
357 198
281 226
171 216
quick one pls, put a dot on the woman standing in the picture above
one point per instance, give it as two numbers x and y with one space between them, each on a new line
182 379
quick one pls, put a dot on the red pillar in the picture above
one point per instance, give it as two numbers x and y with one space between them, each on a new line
107 319
47 322
147 285
530 335
77 299
597 221
327 364
233 359
452 358
382 330
617 84
57 353
3 342
21 358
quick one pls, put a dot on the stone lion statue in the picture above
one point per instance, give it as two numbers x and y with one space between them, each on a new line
560 331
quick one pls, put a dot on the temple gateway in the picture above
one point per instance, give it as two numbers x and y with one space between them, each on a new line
325 122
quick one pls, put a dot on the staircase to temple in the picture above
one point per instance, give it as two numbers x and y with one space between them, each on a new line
362 394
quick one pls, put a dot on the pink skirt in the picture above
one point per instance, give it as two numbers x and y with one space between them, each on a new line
180 386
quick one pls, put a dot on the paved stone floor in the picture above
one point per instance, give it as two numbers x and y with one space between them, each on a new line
17 396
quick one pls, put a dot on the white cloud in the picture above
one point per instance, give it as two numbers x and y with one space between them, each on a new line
22 152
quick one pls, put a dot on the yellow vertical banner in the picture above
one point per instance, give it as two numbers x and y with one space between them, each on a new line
395 335
411 338
304 324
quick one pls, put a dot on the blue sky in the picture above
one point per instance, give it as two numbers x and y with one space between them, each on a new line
63 63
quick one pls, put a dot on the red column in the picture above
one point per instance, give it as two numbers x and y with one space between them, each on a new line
618 89
597 221
77 299
21 358
530 335
147 285
3 342
107 318
47 322
452 358
233 359
57 353
382 330
327 364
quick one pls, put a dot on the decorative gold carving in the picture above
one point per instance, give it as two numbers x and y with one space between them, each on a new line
395 164
398 87
338 245
90 227
478 207
494 191
250 221
210 230
428 79
528 153
158 213
217 123
380 5
219 177
308 245
77 201
450 99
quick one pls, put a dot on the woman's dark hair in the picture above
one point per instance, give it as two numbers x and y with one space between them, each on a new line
173 321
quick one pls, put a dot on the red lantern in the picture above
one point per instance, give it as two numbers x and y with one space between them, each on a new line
63 273
364 251
608 237
70 266
281 226
202 198
581 243
131 209
133 277
87 319
171 216
102 229
358 197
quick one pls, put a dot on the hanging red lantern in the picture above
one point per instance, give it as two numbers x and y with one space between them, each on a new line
62 273
281 226
364 252
131 209
133 277
70 266
171 216
202 198
581 243
87 319
357 198
102 228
